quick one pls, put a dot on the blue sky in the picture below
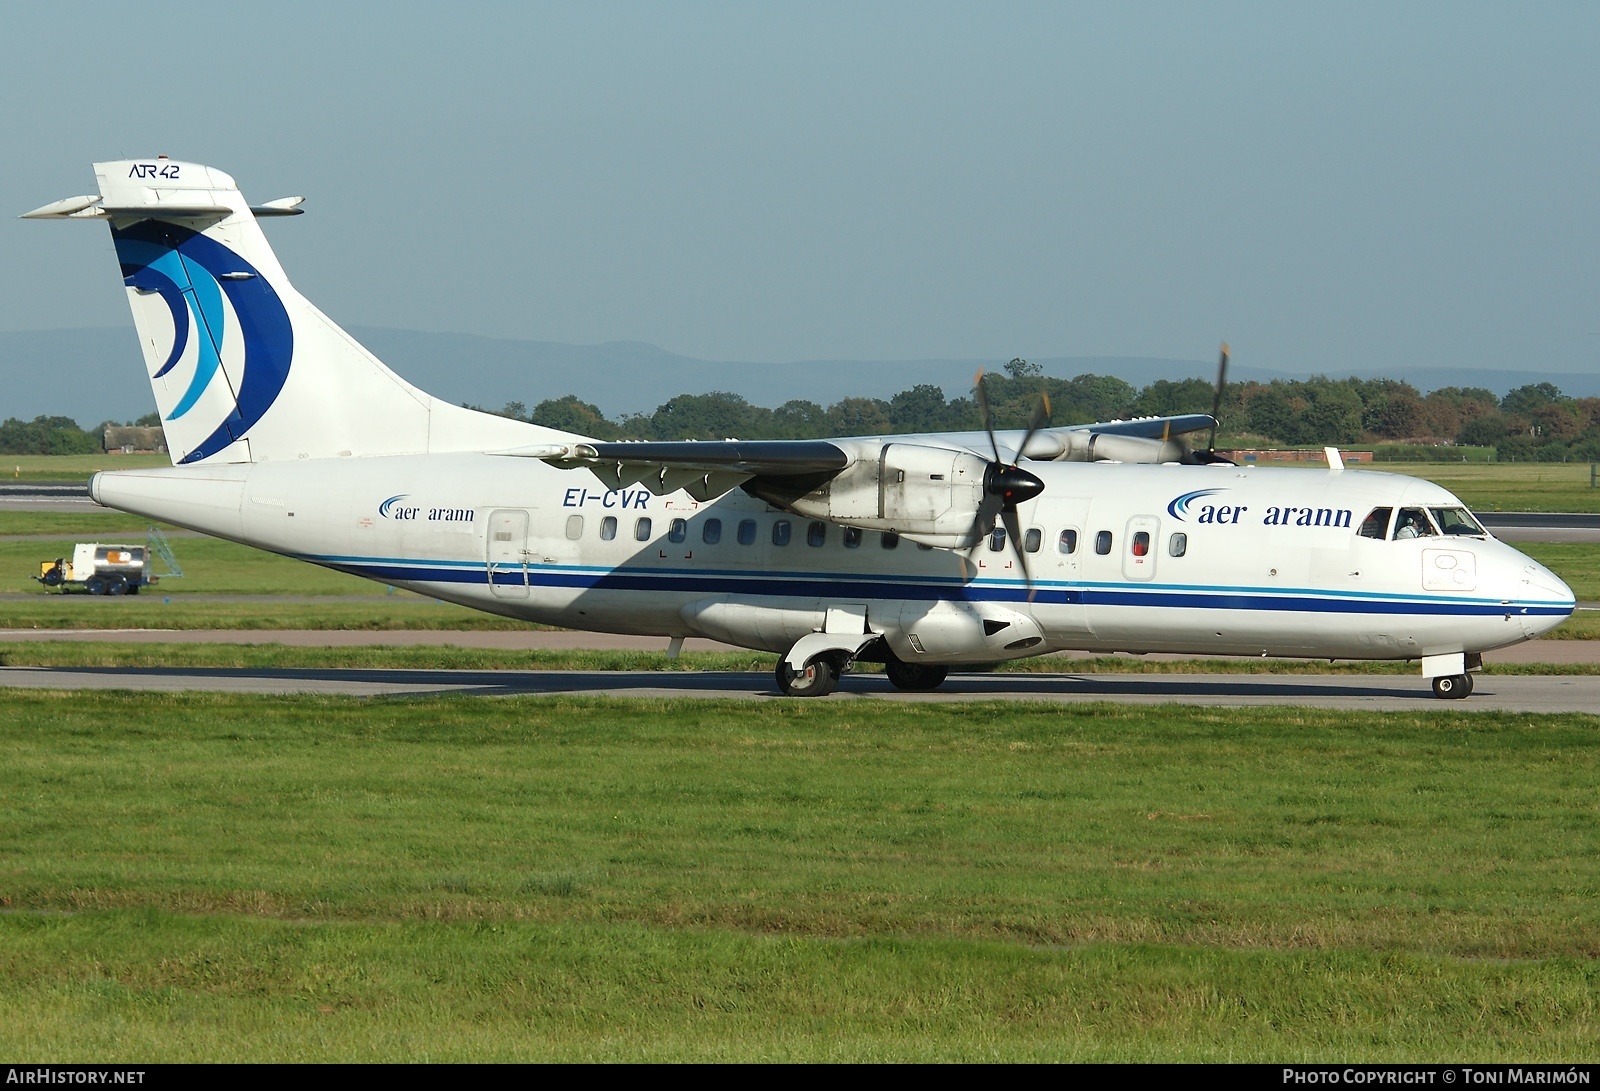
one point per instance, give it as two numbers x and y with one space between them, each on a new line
1332 187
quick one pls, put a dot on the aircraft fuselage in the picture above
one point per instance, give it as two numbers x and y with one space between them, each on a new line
1208 560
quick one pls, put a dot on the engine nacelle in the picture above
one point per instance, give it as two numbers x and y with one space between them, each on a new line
927 494
1103 446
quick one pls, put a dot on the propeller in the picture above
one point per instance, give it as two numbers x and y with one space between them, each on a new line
1004 487
1216 406
1209 456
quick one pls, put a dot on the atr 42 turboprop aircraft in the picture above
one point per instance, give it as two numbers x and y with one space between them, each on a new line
922 552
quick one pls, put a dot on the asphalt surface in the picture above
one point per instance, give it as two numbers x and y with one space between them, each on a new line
514 640
1522 694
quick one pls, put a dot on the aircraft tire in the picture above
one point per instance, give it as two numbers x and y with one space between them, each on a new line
817 680
1452 687
914 677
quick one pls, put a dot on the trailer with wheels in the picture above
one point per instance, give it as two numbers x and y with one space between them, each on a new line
99 569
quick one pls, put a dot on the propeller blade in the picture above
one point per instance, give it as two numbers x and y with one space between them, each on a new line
983 409
1041 417
1013 527
1216 398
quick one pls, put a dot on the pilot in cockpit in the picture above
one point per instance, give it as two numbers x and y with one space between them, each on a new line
1411 524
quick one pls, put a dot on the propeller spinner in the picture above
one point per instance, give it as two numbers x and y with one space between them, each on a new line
1006 486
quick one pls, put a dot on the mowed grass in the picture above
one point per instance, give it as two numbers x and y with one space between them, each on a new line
62 468
241 878
210 566
1508 486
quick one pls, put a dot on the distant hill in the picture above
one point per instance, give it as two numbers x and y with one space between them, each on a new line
96 374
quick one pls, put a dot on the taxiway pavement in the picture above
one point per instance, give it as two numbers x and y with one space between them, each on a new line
1518 693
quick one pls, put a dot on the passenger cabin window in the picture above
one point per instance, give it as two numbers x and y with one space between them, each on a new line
997 539
1413 523
852 537
1032 540
1102 542
816 534
890 540
1177 545
1376 524
1141 543
574 527
747 532
678 530
1067 542
641 529
608 528
711 533
1456 521
781 531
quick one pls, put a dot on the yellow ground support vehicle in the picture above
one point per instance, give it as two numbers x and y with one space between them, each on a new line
106 569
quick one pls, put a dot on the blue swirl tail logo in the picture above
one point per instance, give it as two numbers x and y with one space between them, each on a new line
192 273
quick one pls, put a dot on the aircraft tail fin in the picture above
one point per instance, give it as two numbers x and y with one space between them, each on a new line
244 368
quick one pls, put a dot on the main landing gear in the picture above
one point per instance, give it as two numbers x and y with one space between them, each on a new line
1452 687
915 677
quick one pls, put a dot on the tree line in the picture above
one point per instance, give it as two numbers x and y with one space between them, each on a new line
1534 422
59 435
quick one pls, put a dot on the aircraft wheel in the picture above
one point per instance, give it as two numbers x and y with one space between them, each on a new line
1452 687
817 680
116 585
95 585
914 676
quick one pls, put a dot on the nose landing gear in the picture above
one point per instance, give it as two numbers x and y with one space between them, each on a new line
817 680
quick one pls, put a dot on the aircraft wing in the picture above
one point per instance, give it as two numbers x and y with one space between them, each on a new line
709 468
1148 427
776 456
705 469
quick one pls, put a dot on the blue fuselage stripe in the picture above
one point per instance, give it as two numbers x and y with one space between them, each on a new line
810 586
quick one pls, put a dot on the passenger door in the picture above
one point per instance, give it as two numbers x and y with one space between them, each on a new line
507 556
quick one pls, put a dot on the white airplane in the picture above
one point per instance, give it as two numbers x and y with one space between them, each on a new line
921 552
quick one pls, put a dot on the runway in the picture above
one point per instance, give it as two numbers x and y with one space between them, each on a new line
1523 693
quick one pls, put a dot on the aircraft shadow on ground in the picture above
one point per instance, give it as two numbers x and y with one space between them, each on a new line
753 684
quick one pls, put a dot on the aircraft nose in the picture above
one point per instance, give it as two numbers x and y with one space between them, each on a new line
1548 600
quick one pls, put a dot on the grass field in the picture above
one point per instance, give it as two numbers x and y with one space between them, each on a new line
1509 486
227 878
72 467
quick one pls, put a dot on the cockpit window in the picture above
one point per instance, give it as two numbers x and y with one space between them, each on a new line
1376 524
1413 523
1456 521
